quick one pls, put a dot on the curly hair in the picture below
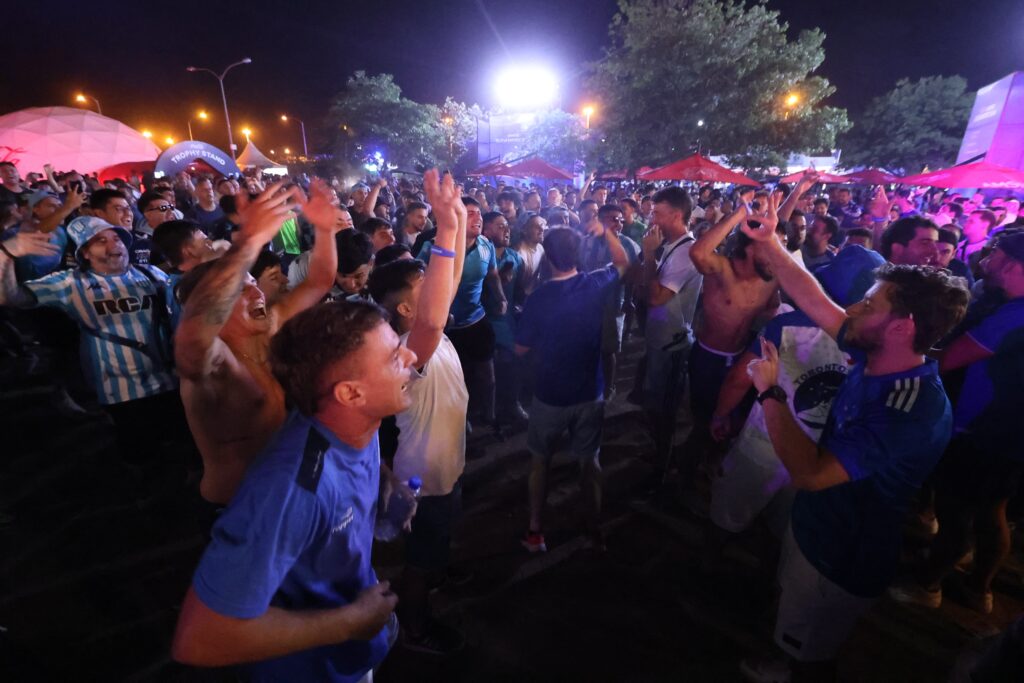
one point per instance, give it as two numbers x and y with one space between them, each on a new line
312 343
934 299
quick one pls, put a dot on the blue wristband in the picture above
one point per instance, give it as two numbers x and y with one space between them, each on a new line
440 251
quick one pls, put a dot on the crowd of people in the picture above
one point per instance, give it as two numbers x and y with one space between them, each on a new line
300 351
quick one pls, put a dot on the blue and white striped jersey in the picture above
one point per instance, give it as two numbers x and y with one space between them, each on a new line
118 305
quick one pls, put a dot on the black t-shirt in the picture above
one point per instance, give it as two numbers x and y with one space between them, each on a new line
8 195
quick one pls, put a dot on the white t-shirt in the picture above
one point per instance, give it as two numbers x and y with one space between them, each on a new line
531 264
432 431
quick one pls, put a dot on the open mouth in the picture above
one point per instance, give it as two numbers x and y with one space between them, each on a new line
259 312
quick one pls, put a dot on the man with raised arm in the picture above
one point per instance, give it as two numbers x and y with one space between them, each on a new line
562 323
886 430
232 401
432 430
738 288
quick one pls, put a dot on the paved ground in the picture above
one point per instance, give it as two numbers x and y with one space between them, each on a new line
90 584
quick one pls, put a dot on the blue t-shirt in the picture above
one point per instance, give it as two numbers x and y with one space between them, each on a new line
298 535
888 432
510 267
993 391
595 254
562 322
480 258
207 219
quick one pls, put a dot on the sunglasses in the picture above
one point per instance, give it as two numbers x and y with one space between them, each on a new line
161 208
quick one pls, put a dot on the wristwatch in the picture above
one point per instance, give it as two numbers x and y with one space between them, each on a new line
775 392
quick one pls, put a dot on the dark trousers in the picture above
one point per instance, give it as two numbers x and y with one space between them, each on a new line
475 346
507 374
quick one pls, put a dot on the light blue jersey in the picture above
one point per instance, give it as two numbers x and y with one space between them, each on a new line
119 306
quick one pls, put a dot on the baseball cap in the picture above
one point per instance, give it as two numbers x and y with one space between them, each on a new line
40 195
1012 244
84 228
849 276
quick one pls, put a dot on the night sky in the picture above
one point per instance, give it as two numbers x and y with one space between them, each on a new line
132 56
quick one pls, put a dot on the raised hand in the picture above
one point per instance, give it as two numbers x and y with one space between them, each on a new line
319 207
652 240
30 244
74 198
764 371
262 217
880 204
809 178
445 200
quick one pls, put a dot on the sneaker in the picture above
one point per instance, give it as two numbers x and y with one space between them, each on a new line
437 638
766 671
979 602
534 542
913 594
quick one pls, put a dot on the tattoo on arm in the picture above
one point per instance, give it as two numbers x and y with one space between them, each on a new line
216 294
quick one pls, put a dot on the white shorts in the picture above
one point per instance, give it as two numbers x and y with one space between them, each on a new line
815 615
752 479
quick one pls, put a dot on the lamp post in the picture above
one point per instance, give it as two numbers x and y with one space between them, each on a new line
82 98
448 121
588 111
792 99
305 150
203 116
247 133
223 96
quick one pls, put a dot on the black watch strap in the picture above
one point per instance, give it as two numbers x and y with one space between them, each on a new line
776 392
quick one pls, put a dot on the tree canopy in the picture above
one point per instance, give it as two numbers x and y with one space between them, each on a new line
916 124
675 63
370 114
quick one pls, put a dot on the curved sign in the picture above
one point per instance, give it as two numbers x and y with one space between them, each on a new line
178 158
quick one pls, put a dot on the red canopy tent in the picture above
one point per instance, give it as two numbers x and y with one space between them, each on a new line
492 168
870 176
699 168
535 167
827 178
980 174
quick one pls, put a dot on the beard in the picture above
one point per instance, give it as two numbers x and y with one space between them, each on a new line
866 340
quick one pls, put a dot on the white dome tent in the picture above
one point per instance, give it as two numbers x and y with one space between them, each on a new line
69 139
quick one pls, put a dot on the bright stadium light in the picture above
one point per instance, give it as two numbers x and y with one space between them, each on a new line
526 87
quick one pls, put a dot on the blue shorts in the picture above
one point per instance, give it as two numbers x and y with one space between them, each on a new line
583 422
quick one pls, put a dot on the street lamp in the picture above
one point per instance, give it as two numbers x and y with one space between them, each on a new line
588 111
700 123
305 150
82 98
223 97
202 116
792 100
148 134
169 140
287 151
247 133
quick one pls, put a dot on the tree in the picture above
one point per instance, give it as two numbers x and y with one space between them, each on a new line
675 63
370 114
559 138
459 126
916 124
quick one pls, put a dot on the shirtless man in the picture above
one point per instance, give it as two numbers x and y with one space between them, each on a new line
232 401
738 288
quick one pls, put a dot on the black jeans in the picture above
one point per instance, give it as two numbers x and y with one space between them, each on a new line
475 346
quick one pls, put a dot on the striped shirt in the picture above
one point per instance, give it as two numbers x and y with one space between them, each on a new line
120 305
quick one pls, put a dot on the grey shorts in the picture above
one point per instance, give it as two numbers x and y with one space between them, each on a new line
582 421
815 615
665 379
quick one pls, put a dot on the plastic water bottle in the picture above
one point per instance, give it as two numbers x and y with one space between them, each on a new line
403 497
